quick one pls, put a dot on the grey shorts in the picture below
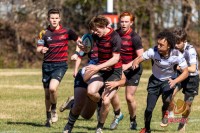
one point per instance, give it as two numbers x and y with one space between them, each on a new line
191 85
53 70
133 76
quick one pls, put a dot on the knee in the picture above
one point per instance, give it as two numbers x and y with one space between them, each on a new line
106 102
129 98
52 90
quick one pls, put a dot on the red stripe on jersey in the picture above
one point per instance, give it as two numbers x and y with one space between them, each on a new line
128 53
57 42
106 47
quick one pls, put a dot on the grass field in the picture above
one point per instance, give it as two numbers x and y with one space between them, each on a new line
22 108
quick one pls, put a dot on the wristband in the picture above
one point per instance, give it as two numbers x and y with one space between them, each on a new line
77 53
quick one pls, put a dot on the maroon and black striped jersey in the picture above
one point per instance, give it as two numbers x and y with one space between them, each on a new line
131 42
107 45
57 42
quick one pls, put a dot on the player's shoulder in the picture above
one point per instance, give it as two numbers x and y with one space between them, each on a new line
175 52
189 47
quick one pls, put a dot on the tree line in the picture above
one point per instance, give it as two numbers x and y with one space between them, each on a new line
21 21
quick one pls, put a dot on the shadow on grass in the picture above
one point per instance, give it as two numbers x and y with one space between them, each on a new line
157 130
90 128
25 123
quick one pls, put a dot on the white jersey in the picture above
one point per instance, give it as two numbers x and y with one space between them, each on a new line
164 68
190 55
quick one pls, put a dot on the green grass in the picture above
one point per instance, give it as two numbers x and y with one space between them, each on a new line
22 108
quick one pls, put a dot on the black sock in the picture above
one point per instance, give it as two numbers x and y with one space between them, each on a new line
72 119
100 125
72 105
147 125
48 115
117 112
99 103
133 119
53 106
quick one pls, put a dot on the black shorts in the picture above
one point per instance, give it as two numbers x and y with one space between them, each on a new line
157 87
112 75
79 82
190 85
53 70
133 76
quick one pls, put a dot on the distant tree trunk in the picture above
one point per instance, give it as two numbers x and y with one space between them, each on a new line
151 22
187 13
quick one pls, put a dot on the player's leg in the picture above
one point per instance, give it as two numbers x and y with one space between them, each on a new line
80 96
131 102
166 99
58 72
117 111
153 89
190 90
107 95
106 100
88 109
94 85
53 97
48 107
133 79
46 80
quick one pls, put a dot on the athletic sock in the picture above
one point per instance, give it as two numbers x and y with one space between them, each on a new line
48 115
117 112
53 106
147 125
100 125
133 119
72 119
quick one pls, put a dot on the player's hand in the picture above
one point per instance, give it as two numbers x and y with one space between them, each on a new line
74 57
172 83
75 73
135 64
111 85
80 44
125 67
92 68
44 50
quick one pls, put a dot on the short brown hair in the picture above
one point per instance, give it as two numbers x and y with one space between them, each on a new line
98 21
53 11
126 13
180 34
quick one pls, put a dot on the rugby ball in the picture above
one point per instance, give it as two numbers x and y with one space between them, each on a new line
87 41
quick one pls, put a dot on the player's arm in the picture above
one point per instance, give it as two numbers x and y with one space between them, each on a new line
75 55
139 52
192 68
180 78
114 84
112 61
108 63
137 61
40 43
77 64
